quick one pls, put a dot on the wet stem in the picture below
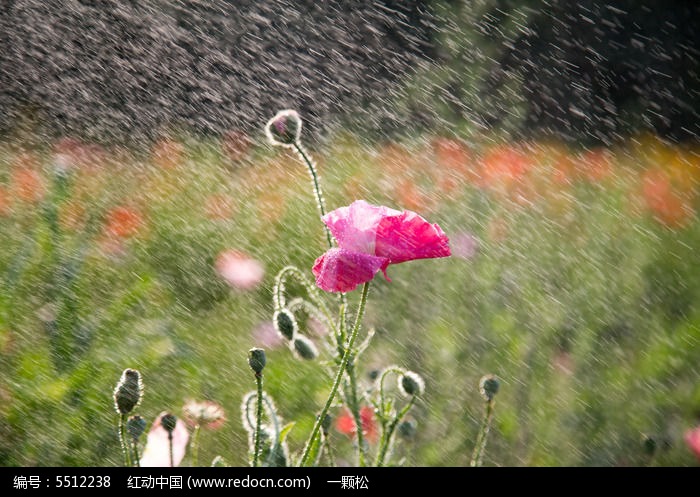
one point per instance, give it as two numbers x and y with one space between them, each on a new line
123 440
388 433
338 378
258 419
317 187
483 435
195 445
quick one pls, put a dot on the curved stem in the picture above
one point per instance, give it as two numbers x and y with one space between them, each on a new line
483 435
336 383
386 438
317 187
258 419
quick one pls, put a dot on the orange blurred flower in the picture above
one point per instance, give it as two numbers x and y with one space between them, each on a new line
219 207
454 164
26 183
669 205
503 167
167 153
122 222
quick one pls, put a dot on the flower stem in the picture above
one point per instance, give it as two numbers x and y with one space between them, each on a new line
170 446
195 444
355 409
386 437
483 435
336 383
317 187
137 457
123 440
258 419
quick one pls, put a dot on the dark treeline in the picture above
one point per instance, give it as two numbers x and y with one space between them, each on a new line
123 69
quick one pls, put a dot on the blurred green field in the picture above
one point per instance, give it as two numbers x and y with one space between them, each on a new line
575 278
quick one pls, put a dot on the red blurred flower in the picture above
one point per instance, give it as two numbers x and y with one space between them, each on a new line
371 238
122 222
345 424
692 438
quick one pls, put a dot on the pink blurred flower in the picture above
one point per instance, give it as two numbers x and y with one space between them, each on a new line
239 270
157 451
205 413
266 336
465 245
692 438
371 238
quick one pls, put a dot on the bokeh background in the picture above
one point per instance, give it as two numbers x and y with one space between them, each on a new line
554 142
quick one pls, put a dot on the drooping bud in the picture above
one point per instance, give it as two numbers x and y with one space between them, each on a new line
128 392
284 129
257 360
135 426
305 348
168 422
488 387
285 323
411 383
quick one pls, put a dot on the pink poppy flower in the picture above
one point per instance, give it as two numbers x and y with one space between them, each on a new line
370 238
157 451
239 270
692 438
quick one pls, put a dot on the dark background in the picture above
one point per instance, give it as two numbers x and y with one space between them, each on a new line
584 71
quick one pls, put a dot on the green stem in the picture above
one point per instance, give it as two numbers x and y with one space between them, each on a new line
483 435
122 440
170 446
317 187
355 409
135 446
336 383
258 419
386 437
195 445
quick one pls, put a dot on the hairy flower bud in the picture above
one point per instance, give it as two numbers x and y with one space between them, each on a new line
135 426
168 421
257 360
305 348
411 383
285 323
284 129
128 392
488 387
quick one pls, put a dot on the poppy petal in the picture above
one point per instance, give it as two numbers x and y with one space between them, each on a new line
407 236
341 270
